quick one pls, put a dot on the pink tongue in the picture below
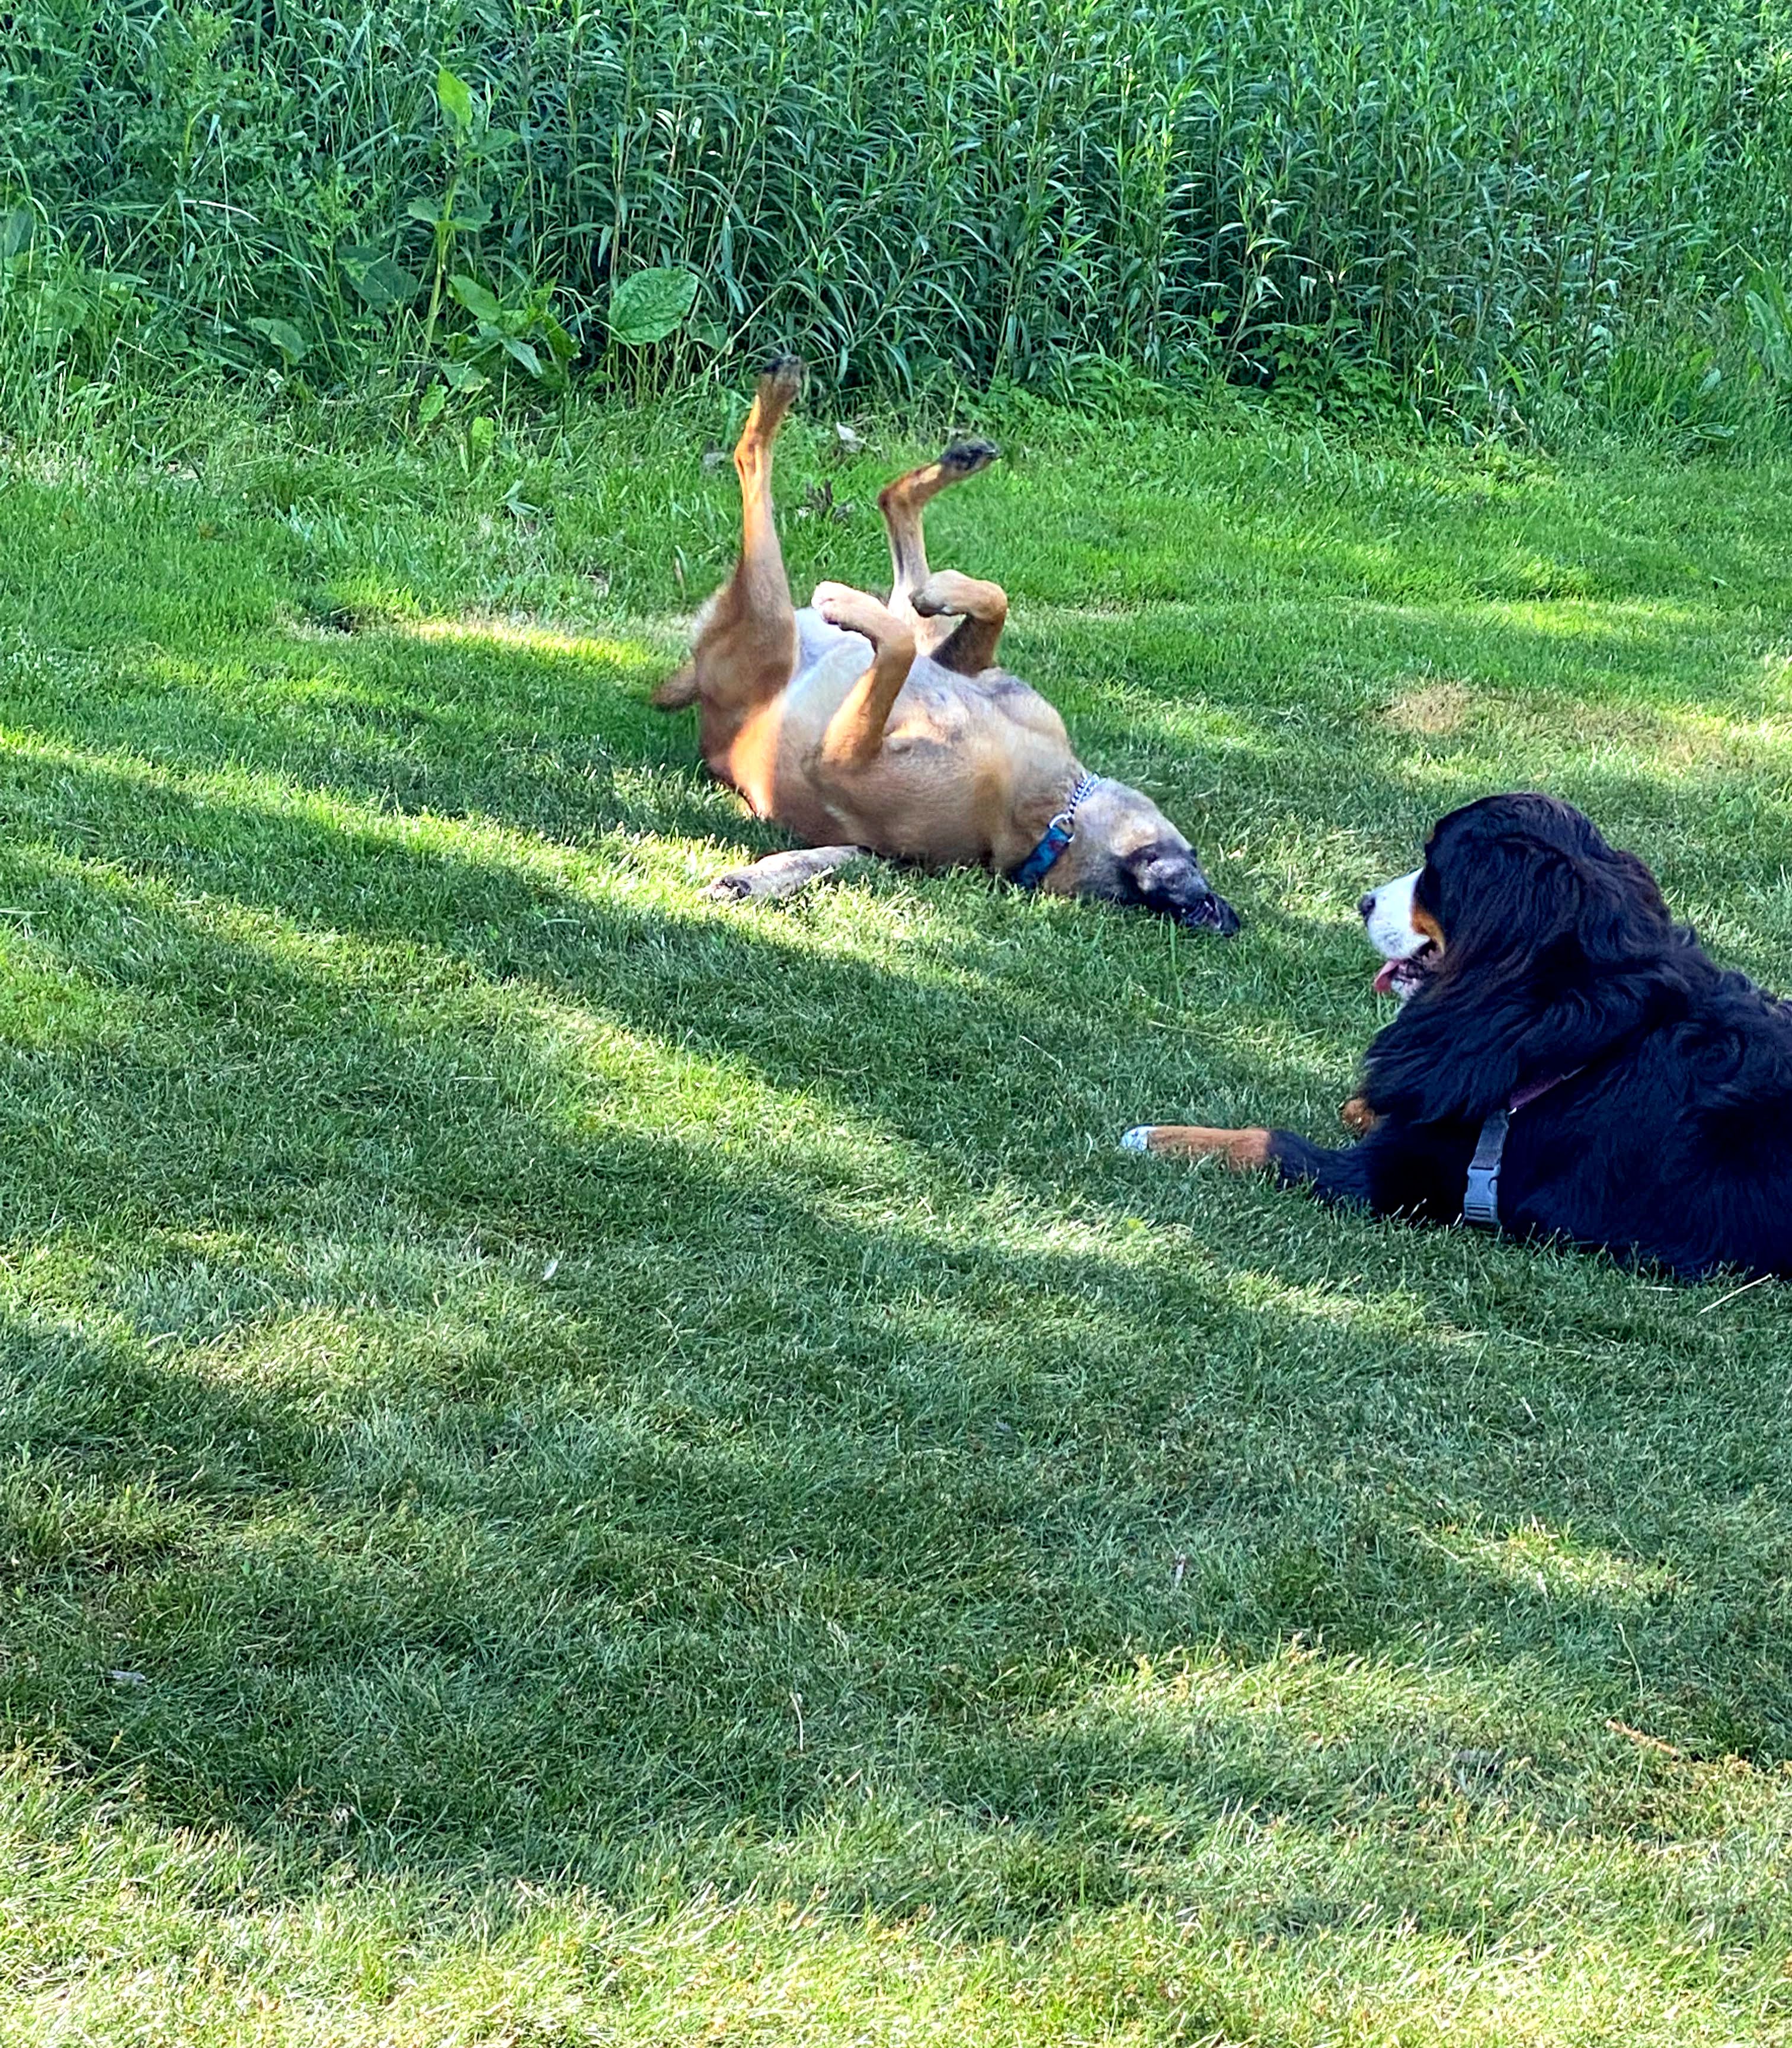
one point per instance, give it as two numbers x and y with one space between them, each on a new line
1384 981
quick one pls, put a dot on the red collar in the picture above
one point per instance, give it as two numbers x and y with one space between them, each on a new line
1521 1098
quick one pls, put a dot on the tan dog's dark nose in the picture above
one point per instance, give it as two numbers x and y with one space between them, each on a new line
1366 905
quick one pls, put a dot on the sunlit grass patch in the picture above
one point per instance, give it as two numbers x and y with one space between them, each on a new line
586 1466
534 638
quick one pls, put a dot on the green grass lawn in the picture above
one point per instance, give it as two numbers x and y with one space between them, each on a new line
582 1467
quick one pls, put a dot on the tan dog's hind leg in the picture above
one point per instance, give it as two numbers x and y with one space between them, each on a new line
1244 1151
856 731
968 646
745 648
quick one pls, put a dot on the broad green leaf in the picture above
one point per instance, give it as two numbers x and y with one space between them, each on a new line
428 210
524 354
382 283
649 305
17 230
456 101
464 378
470 213
59 314
284 336
430 405
476 299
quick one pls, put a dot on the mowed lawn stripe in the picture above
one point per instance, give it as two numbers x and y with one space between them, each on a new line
587 1466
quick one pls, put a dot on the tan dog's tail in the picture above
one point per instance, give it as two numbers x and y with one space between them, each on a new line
677 692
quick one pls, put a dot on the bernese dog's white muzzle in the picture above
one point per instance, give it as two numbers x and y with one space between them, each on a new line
1387 916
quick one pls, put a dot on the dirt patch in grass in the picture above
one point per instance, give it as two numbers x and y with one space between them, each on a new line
1433 710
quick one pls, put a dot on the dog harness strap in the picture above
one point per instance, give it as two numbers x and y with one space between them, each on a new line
1059 833
1480 1201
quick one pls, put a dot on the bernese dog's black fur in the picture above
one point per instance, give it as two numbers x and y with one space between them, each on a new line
1672 1142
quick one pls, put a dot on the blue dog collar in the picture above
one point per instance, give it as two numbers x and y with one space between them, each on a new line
1059 833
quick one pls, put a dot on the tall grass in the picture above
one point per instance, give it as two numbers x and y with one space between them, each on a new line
1466 203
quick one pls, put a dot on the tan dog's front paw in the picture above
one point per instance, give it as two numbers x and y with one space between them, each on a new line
941 596
733 887
856 610
777 874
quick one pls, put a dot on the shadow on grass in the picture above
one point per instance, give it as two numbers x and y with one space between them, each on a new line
752 988
510 1377
419 1459
550 733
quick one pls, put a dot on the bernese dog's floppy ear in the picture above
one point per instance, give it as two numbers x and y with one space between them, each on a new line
1546 889
1556 946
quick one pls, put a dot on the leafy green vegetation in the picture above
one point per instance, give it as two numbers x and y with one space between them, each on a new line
585 1467
1483 211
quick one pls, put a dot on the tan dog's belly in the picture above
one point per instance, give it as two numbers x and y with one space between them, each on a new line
940 789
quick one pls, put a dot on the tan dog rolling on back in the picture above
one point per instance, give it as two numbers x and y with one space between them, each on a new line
861 726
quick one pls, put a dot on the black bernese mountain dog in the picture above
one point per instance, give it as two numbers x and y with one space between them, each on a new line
1568 1061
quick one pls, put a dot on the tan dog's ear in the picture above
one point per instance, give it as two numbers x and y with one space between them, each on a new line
677 692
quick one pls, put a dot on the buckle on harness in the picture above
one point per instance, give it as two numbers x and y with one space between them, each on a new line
1481 1200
